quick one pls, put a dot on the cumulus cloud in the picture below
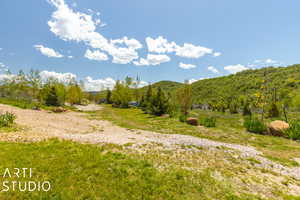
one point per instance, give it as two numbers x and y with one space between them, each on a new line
235 68
70 25
216 54
161 45
152 59
186 66
213 69
192 51
95 55
91 84
61 77
48 51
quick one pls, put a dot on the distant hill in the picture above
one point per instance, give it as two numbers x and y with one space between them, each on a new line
248 82
167 86
284 79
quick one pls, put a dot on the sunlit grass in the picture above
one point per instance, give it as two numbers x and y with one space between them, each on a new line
229 129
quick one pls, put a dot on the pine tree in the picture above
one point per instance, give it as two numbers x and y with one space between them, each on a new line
52 97
159 103
108 96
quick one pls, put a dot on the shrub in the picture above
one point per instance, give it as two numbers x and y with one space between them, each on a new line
293 132
7 119
208 121
182 118
254 125
273 111
52 97
246 109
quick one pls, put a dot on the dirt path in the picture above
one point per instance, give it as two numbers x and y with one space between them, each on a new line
76 126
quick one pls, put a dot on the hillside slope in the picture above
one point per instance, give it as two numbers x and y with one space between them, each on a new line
284 79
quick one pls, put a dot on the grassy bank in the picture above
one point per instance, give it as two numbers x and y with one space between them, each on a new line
229 129
87 172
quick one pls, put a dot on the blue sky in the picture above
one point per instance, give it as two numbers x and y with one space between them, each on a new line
248 34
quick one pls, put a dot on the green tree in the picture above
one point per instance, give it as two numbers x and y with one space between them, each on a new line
121 94
184 97
52 97
159 104
74 94
108 96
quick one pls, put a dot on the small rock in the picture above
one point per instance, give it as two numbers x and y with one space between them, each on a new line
192 121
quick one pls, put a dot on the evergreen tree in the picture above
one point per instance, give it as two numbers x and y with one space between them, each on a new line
159 104
108 96
52 97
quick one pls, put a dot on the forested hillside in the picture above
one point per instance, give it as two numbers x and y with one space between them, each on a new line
285 79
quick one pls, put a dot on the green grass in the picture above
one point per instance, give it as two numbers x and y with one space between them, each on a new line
18 103
30 105
78 171
229 129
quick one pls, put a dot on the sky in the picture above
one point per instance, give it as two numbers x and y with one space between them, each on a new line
103 41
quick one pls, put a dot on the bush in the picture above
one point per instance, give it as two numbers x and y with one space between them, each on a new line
182 118
208 122
254 125
273 111
7 119
293 132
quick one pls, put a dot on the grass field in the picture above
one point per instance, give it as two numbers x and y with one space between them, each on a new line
229 129
78 171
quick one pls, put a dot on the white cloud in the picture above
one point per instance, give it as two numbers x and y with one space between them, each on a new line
213 69
186 66
192 51
61 77
91 84
161 45
152 60
96 55
235 68
270 61
264 63
216 54
70 56
6 77
3 67
190 81
77 26
48 51
143 84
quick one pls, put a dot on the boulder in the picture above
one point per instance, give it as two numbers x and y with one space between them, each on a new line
59 110
192 121
277 127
